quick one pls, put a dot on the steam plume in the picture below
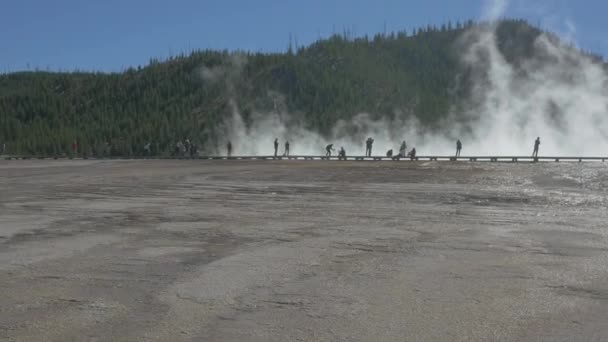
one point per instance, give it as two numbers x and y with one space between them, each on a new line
558 94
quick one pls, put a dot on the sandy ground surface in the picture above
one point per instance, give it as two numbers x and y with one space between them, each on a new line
303 251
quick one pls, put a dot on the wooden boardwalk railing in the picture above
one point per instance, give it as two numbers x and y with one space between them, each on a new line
349 158
417 158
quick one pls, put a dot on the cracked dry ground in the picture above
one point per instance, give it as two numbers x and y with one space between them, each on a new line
303 251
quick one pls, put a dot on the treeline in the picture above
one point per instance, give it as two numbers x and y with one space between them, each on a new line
188 96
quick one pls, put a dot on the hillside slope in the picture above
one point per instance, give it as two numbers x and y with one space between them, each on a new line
417 74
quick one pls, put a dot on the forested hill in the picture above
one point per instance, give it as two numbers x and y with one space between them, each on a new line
188 96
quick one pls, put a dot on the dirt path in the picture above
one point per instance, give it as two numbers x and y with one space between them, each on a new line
302 251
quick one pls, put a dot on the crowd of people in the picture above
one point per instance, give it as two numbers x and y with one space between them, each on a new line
190 149
342 152
185 149
369 145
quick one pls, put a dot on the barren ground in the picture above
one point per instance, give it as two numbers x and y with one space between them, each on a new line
182 250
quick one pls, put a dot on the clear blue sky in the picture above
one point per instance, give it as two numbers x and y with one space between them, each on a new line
110 35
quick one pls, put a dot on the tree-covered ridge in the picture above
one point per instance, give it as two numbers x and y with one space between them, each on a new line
188 96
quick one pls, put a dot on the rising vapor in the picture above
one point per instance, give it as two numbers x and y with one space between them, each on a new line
558 94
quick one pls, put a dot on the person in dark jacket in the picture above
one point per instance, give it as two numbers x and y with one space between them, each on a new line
403 149
368 147
328 150
412 154
536 146
286 153
342 154
193 150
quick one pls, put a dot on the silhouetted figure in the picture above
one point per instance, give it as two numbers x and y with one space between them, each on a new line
389 153
458 148
342 154
412 153
187 147
329 148
74 148
286 153
368 147
146 149
183 149
107 148
536 146
193 150
402 149
229 148
276 146
178 148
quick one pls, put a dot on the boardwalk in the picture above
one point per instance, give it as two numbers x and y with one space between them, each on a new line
355 158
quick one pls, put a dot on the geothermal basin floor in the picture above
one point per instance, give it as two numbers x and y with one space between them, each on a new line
182 250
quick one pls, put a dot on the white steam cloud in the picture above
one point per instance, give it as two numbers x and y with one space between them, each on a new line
558 94
494 9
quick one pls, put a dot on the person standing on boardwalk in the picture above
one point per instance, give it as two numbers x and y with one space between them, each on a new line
229 148
187 147
74 148
276 146
458 148
147 149
536 146
342 154
329 148
183 148
178 148
286 153
193 150
403 149
368 147
412 154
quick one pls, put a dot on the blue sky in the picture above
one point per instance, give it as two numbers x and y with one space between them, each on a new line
111 35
